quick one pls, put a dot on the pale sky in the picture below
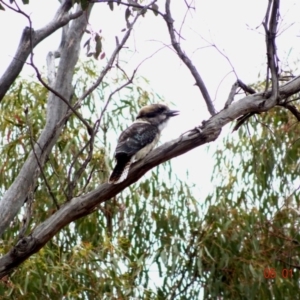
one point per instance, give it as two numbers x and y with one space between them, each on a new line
233 25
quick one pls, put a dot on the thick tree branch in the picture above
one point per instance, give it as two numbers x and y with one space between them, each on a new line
199 82
15 196
25 47
270 25
86 204
58 110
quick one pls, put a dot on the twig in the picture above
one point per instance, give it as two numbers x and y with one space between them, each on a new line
220 83
199 82
212 44
141 7
73 109
129 81
232 93
88 180
270 25
39 75
39 163
227 58
189 5
293 100
184 18
78 173
265 125
110 62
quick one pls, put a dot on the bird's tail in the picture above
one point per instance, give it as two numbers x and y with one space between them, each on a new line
120 172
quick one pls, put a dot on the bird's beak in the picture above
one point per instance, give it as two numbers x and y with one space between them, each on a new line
172 113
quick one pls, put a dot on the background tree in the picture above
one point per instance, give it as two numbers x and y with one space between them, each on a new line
55 136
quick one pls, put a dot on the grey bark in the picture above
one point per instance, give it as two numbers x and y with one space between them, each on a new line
86 204
29 40
56 109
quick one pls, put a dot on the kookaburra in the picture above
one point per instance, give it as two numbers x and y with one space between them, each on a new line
140 138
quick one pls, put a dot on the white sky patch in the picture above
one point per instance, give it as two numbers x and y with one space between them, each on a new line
234 26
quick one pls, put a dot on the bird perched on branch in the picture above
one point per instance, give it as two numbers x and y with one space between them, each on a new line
140 138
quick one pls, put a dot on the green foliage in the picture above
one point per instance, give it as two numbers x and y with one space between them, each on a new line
253 218
111 245
17 127
155 240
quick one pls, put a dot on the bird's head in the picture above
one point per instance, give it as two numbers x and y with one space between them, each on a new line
156 114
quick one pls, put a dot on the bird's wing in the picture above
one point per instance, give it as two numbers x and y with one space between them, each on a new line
131 141
136 137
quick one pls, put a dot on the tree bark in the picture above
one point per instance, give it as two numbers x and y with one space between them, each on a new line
15 196
29 40
86 204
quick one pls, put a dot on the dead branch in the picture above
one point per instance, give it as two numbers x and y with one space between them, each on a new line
185 59
270 24
110 63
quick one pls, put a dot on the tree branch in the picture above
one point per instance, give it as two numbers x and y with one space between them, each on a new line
199 82
110 62
270 25
39 164
134 5
292 108
246 88
86 204
231 94
25 46
15 196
